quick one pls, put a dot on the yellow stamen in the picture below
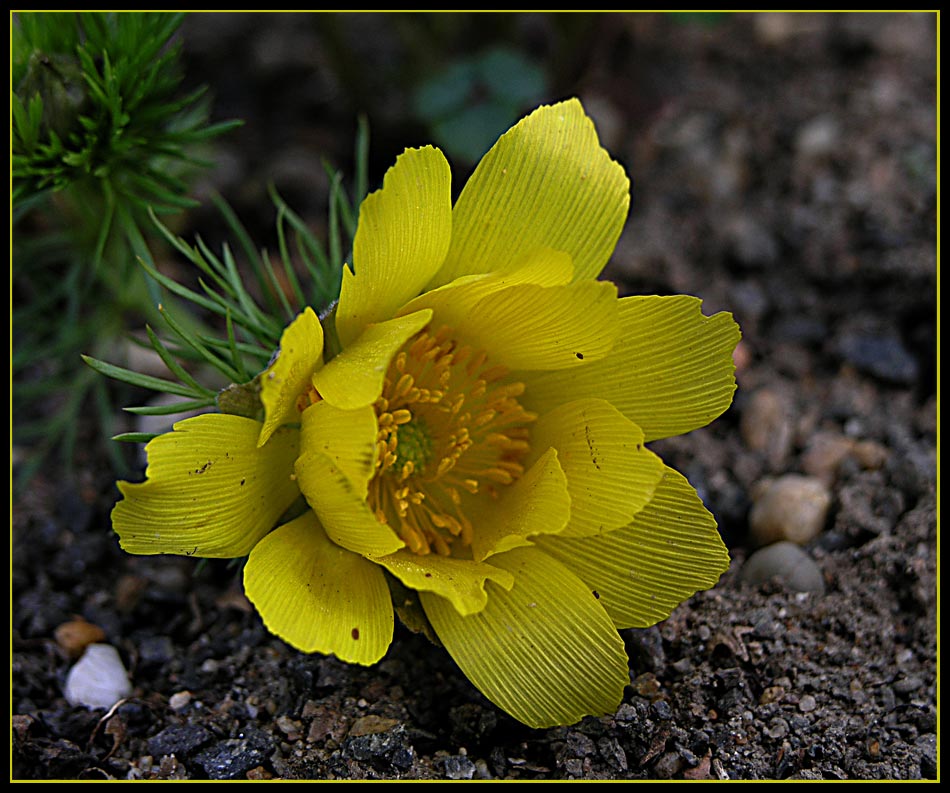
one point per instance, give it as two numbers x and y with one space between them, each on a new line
448 421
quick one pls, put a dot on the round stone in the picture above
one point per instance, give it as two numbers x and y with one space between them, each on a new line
792 507
785 562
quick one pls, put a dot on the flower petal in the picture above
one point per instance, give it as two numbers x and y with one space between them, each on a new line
401 240
301 354
341 508
209 490
317 596
452 303
670 372
643 571
547 181
460 581
611 476
545 651
529 327
537 503
347 437
354 378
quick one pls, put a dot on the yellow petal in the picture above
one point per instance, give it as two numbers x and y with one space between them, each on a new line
347 437
611 476
546 182
530 327
401 240
537 503
643 571
354 378
670 372
545 651
460 581
210 491
317 596
453 303
341 508
301 354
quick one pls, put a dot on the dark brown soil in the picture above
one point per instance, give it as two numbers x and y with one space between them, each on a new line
784 170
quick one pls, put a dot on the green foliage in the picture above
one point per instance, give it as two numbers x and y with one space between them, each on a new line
251 313
101 135
474 100
96 107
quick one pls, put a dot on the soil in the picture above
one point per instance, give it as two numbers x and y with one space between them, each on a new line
784 170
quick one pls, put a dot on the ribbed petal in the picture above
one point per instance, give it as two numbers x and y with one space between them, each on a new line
460 581
546 182
354 378
545 651
341 508
301 354
454 302
537 503
670 372
347 437
643 571
611 476
530 327
317 596
209 490
401 240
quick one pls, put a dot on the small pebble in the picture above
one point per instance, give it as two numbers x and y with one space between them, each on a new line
179 739
371 725
772 694
234 757
288 727
907 685
98 680
76 635
927 745
646 685
611 750
778 728
824 454
881 354
904 656
870 455
767 425
179 700
669 765
459 767
807 703
818 137
792 507
786 562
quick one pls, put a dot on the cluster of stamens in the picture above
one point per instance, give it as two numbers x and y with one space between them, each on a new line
450 427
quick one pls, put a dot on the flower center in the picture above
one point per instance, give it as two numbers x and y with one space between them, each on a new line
450 429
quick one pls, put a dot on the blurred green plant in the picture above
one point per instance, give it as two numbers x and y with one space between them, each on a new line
469 104
101 135
252 318
97 111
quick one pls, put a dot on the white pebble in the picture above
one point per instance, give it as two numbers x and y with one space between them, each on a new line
791 507
98 680
179 700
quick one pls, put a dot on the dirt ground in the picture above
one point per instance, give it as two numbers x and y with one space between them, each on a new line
784 169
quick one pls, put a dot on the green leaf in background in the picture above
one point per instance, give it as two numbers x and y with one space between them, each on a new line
469 104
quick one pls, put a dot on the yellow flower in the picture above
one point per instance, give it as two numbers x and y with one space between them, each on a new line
479 434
